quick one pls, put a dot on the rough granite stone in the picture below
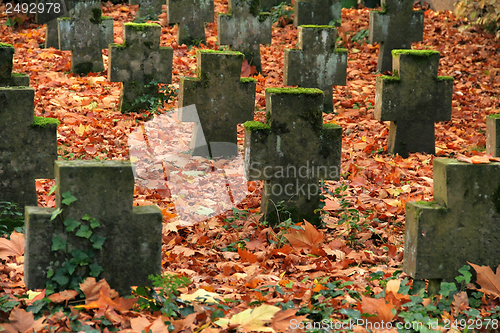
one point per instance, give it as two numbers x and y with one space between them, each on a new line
104 190
140 63
291 153
245 29
493 135
50 10
7 78
190 17
317 64
27 152
266 5
222 101
316 12
413 100
461 225
148 7
394 28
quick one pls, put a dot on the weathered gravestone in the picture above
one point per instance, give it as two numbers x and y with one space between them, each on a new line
316 12
140 63
28 146
493 135
7 78
222 100
413 99
190 17
395 27
86 33
266 5
47 12
125 242
245 29
317 64
150 8
461 225
291 153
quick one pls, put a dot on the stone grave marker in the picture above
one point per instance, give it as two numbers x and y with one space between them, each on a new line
7 78
316 12
316 64
266 5
140 63
461 225
291 153
85 33
104 190
148 7
28 146
245 29
47 12
190 17
493 135
395 27
413 100
222 100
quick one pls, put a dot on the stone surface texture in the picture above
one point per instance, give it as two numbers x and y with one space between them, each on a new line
493 135
266 5
190 16
7 78
316 12
148 7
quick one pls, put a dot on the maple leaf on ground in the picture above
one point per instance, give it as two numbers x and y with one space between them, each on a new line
392 295
63 296
282 320
12 247
247 256
22 321
91 288
247 70
377 307
305 239
489 282
251 320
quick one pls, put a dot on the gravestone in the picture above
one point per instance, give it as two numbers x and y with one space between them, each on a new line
317 64
7 78
150 8
222 100
85 33
190 17
47 12
395 27
104 190
140 63
245 29
291 153
413 99
493 135
266 5
316 12
441 5
28 146
461 225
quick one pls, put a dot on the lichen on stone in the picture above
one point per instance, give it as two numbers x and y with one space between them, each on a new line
141 26
445 78
294 91
415 53
255 125
6 45
318 26
494 115
247 79
43 122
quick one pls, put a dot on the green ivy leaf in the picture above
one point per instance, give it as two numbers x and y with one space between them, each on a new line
97 241
68 198
86 217
95 269
79 257
70 267
71 224
55 213
52 189
84 232
58 244
94 223
60 277
50 273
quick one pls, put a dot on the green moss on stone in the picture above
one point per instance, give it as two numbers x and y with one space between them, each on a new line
106 18
43 122
221 52
247 79
264 16
64 18
141 26
6 45
445 78
340 50
428 203
255 125
390 78
96 16
318 26
118 45
415 53
19 74
329 125
294 91
494 115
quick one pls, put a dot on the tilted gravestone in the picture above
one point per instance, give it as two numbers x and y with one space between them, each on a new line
47 12
140 63
128 239
222 100
148 7
28 146
7 78
86 33
190 17
266 5
461 225
317 64
245 29
291 153
413 99
395 27
493 135
316 12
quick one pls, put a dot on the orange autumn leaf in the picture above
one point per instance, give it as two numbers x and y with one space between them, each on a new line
106 303
13 247
305 239
247 256
283 320
489 281
23 321
377 307
63 296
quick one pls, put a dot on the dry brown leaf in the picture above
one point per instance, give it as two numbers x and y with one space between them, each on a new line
305 240
489 282
282 320
22 321
13 247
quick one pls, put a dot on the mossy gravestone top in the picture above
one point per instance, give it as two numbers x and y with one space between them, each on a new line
124 242
493 135
245 29
291 153
151 8
413 99
28 146
461 225
395 27
316 12
7 78
222 100
266 5
317 64
190 17
140 63
84 36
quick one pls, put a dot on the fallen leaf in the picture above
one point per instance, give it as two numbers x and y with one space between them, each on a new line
305 239
13 247
489 282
